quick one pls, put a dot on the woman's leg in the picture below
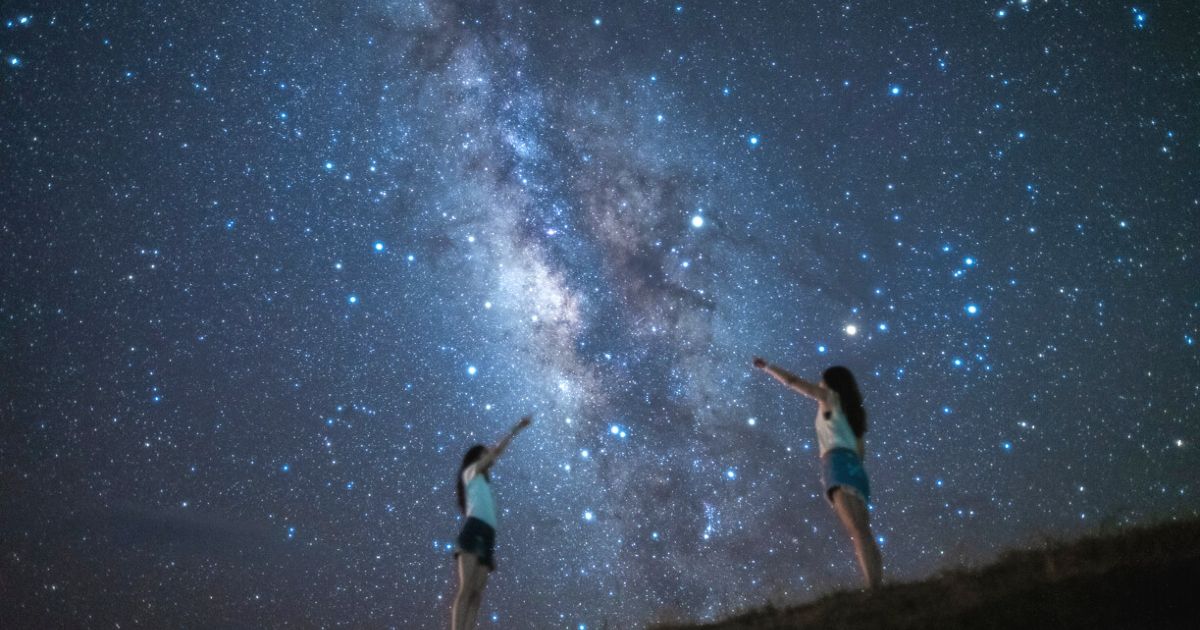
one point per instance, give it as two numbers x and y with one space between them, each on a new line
468 566
476 599
852 511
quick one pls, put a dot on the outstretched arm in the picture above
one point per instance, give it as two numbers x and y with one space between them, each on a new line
812 390
494 453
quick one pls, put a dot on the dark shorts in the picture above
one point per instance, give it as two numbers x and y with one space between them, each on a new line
478 539
841 468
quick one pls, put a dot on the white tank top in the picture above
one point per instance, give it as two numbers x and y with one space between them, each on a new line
833 429
480 502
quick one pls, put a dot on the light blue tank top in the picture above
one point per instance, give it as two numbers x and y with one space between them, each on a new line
481 504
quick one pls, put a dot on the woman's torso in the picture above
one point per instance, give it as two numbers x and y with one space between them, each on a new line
833 428
481 504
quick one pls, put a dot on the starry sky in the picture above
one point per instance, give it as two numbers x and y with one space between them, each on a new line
269 269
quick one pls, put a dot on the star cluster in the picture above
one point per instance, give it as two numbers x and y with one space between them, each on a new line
270 269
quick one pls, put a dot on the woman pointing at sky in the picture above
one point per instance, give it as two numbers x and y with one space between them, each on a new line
477 540
841 423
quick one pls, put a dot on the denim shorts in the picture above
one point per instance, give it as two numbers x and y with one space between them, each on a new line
841 468
479 539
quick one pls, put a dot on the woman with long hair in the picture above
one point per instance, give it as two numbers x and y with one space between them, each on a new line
841 423
477 540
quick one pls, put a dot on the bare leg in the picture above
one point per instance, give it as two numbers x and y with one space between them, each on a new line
468 566
476 599
852 511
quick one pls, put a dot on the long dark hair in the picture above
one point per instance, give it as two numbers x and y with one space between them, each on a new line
473 455
841 380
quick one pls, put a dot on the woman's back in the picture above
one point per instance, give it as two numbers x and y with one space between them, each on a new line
833 428
481 503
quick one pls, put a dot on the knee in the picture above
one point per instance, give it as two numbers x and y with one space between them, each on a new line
862 529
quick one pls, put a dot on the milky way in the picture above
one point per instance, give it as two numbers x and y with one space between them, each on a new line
270 269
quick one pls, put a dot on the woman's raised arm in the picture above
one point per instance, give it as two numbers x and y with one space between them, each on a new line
496 451
812 390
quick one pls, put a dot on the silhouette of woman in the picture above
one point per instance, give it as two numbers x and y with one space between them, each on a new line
477 540
841 423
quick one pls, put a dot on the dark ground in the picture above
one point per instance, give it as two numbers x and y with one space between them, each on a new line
1137 578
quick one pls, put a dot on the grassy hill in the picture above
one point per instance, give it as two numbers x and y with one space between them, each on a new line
1148 577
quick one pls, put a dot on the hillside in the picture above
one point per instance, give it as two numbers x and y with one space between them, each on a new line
1138 578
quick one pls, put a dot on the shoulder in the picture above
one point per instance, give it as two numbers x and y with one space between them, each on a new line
469 473
828 397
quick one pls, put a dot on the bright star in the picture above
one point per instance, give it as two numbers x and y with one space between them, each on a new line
1139 18
697 221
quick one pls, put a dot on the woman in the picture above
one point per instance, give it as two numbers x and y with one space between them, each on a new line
477 540
841 423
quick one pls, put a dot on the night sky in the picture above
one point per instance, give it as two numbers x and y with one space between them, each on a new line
269 269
